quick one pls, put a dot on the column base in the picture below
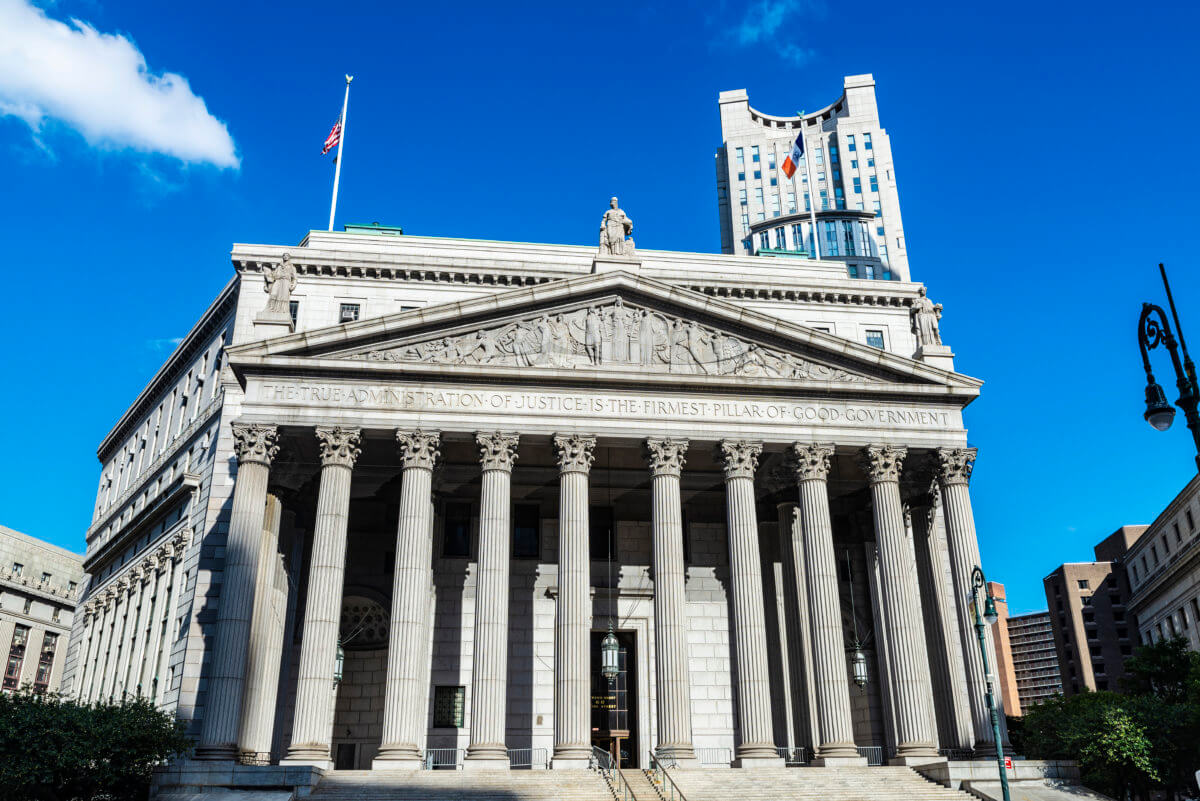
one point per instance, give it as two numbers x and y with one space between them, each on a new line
914 761
315 762
315 754
759 762
839 762
226 752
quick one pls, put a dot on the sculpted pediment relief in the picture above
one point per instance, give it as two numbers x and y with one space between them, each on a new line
608 335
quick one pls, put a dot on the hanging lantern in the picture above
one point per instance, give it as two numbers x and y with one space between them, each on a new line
609 656
858 663
338 664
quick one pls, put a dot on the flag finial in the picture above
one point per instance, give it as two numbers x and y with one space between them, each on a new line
349 78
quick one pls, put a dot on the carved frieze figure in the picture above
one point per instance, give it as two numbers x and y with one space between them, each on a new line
925 315
611 335
614 227
280 281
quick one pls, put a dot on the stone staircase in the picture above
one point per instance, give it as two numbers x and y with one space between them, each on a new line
462 785
811 784
640 785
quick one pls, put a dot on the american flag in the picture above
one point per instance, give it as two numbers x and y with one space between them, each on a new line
335 136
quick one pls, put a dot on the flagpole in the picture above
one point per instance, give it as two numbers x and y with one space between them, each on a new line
812 191
337 172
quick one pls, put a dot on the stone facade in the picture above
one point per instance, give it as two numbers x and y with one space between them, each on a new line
1163 568
39 583
503 449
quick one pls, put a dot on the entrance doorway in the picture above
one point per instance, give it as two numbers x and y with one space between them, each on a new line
614 704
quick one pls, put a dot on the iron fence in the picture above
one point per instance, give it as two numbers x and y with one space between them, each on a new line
714 756
528 758
873 753
443 758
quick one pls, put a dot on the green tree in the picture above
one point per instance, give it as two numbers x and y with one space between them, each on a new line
1167 670
53 749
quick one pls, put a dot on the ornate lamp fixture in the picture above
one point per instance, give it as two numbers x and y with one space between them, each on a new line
1154 330
338 665
610 665
858 659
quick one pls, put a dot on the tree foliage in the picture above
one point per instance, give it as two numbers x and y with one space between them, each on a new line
1132 744
53 749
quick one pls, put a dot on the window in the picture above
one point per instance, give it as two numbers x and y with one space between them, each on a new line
1191 521
837 174
1153 554
774 181
875 338
798 236
771 160
45 577
348 313
742 196
852 269
1178 536
791 202
457 534
740 156
527 534
833 154
449 706
71 587
601 541
16 656
780 238
294 310
745 221
858 186
741 176
854 164
41 679
764 240
875 207
870 162
18 568
754 154
28 605
820 156
821 175
758 196
1083 584
874 183
850 146
870 268
867 141
758 175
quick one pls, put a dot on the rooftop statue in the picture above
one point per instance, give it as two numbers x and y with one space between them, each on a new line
614 227
280 281
925 315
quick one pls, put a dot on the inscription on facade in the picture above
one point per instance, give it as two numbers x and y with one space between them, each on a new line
601 405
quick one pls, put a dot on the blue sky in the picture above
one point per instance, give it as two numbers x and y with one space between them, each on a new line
1041 153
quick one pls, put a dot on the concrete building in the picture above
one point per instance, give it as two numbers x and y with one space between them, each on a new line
39 583
1034 660
1089 613
845 184
389 515
1006 677
1163 568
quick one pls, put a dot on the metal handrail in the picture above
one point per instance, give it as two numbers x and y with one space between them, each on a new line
793 756
527 757
664 785
602 762
714 756
873 753
436 758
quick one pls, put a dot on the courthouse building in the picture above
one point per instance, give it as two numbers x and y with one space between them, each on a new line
390 494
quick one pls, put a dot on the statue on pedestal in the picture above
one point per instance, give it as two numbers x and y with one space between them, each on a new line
280 281
924 315
614 227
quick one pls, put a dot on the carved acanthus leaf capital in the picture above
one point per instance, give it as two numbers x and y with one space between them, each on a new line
497 450
419 449
339 446
576 452
811 462
739 457
255 442
666 455
882 462
954 465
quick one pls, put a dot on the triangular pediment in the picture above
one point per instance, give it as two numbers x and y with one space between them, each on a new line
616 325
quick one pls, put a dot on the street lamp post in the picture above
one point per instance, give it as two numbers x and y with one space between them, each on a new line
1154 330
989 615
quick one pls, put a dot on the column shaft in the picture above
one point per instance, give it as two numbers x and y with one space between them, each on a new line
909 679
266 644
145 628
670 603
169 632
796 628
489 671
572 662
256 447
757 746
312 729
120 621
406 694
835 730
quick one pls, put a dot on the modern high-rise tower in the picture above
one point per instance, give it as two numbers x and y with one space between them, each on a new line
846 184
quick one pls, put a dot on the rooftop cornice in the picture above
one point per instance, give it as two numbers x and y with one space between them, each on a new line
170 370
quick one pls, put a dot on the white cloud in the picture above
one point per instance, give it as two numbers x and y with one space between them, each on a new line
99 84
775 24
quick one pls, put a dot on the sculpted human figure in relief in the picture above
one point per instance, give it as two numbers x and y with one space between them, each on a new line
614 227
925 315
280 281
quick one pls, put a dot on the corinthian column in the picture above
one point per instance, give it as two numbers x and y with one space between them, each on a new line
266 644
489 671
954 466
916 738
572 663
406 695
674 699
312 730
757 746
835 729
255 446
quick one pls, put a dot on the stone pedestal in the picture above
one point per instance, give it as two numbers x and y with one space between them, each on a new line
608 264
273 324
572 651
936 356
406 697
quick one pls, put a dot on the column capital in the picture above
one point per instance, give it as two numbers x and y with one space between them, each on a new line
739 457
497 450
666 455
339 446
255 442
419 448
811 462
882 462
954 465
576 452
